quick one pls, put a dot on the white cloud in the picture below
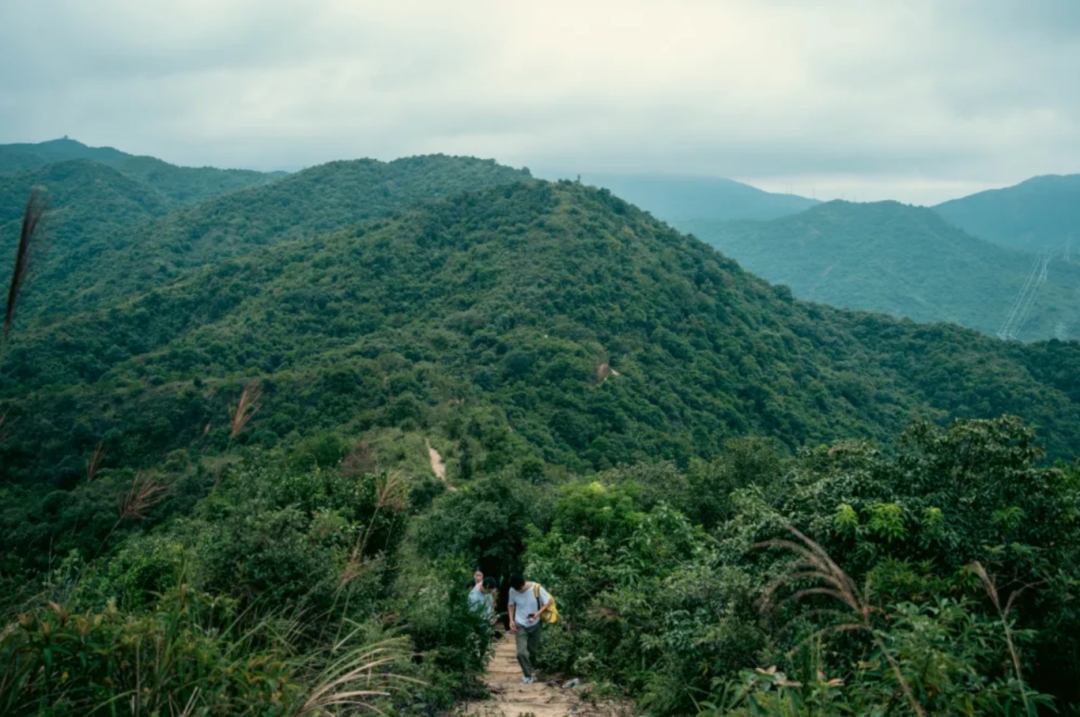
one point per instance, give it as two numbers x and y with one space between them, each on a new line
912 100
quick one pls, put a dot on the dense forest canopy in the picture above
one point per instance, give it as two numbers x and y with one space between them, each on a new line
252 447
905 261
103 265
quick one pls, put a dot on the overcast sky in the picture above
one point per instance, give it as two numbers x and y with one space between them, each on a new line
917 100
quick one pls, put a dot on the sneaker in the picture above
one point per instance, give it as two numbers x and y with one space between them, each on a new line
526 680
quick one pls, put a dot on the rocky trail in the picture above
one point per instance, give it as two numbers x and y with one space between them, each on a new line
510 698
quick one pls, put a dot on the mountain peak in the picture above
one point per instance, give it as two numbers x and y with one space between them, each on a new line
1041 213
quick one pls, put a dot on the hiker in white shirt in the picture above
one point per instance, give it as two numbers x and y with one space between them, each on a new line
527 602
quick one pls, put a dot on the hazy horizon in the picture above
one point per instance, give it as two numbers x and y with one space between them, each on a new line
856 100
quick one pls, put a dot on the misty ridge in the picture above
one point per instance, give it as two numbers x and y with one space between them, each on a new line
718 358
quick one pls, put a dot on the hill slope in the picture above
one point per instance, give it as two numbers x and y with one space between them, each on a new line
901 260
678 199
106 267
1040 213
187 185
88 202
547 319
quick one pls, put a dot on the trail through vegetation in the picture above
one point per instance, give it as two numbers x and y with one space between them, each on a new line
510 698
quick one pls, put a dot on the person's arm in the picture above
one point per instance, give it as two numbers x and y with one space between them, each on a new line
544 606
513 625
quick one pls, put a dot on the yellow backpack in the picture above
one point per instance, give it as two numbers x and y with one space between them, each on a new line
552 613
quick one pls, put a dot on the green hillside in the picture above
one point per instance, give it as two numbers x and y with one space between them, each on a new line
904 261
1042 213
105 267
86 197
511 298
679 199
21 157
90 204
225 491
187 185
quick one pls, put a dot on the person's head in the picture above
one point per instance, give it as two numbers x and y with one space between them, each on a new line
478 577
488 585
517 581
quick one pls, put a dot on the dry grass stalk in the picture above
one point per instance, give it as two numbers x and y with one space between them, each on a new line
144 494
390 492
360 461
245 409
31 219
94 463
990 585
357 679
814 564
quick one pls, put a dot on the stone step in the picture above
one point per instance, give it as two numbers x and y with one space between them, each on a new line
536 706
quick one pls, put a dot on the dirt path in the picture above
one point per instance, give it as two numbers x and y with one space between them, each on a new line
510 698
437 465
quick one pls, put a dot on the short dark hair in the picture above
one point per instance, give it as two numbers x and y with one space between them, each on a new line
491 583
517 581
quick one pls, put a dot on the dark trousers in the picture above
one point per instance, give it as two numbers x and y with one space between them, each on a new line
527 640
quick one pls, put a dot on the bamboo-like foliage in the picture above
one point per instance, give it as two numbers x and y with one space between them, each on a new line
829 580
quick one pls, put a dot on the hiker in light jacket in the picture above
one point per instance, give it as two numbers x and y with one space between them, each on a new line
527 602
482 599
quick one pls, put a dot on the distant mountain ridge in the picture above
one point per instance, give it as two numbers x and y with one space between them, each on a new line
187 185
1041 213
83 270
901 260
676 199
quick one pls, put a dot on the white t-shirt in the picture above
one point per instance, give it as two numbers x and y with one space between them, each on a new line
481 603
525 604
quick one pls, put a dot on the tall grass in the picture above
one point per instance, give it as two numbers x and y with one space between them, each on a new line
28 234
815 574
830 580
1003 611
357 676
245 409
191 653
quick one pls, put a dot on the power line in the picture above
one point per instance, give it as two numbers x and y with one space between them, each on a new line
1021 306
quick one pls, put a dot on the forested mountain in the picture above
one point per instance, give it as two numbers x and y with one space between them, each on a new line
678 199
187 185
522 299
110 266
86 199
1042 213
20 157
901 260
259 479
